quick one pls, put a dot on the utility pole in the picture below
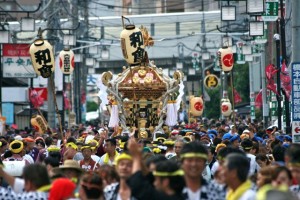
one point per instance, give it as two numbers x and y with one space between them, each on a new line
75 97
284 59
84 70
278 63
51 105
203 48
263 85
295 31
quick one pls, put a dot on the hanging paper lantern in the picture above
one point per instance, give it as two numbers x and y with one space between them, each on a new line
225 56
196 106
66 61
132 44
39 123
226 108
42 57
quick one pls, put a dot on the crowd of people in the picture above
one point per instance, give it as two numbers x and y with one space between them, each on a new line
200 160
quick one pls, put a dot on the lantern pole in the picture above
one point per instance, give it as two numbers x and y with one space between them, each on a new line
232 96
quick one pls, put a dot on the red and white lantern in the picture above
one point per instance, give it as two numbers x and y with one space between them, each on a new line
225 56
226 108
66 61
132 44
196 106
42 57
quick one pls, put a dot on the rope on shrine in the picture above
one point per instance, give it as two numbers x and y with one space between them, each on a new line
122 118
164 107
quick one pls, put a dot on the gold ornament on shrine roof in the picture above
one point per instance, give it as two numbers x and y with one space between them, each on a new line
148 40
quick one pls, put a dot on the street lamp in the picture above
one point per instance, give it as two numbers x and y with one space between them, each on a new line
89 61
28 24
69 40
228 13
105 53
256 28
227 41
255 6
4 36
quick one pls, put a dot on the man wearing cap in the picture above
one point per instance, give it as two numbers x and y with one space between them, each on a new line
70 169
111 153
120 190
17 149
193 162
88 164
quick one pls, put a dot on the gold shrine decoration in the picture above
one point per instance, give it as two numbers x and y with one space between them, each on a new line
225 56
196 106
226 107
66 61
42 58
39 123
132 44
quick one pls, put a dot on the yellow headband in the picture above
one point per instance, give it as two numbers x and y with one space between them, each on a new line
122 156
176 173
53 148
294 164
93 141
193 155
169 142
160 138
220 146
246 148
86 147
156 150
18 150
72 145
122 144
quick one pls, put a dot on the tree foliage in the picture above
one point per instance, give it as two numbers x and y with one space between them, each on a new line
91 106
241 85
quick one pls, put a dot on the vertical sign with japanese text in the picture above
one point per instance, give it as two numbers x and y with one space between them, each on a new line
296 101
16 61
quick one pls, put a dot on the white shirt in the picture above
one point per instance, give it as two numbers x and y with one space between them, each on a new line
248 195
194 195
215 167
101 162
253 164
96 158
28 158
